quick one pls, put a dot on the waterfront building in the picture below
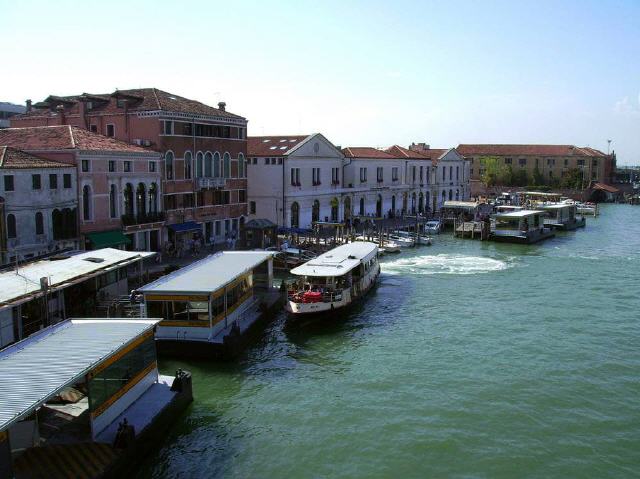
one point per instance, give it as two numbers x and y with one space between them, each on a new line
7 110
118 184
204 183
84 398
550 162
209 307
38 206
296 180
45 292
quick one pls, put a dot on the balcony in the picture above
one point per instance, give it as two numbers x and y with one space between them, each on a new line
130 220
211 183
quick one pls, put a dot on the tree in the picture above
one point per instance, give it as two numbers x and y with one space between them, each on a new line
572 179
538 179
493 172
521 178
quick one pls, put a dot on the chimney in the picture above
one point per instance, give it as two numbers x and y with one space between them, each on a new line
222 106
60 110
28 105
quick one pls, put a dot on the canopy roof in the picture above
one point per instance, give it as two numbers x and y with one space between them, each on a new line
39 367
519 214
209 274
339 261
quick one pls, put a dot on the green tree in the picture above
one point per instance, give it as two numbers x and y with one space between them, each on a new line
538 179
493 171
521 178
572 179
508 176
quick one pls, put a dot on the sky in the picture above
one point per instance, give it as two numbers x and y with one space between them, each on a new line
363 73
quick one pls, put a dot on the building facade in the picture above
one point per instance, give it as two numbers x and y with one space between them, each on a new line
39 205
550 162
118 185
204 183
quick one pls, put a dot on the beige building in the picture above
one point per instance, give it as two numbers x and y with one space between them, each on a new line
552 161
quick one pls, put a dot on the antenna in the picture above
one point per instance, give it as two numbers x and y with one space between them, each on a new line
608 146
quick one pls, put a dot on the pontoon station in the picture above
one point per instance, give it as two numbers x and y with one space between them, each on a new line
562 216
334 279
523 226
84 399
209 307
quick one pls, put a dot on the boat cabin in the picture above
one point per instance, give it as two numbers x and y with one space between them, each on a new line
453 211
524 226
206 304
84 388
562 216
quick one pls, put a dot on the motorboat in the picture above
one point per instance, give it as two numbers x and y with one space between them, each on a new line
433 227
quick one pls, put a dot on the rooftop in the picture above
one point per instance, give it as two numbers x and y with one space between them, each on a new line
209 274
338 261
519 214
64 137
535 150
39 367
12 158
367 152
273 145
23 284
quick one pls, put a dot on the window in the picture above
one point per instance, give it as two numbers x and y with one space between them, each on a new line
11 226
8 182
85 165
522 162
457 173
86 203
295 176
421 173
444 173
316 176
216 165
266 161
53 181
66 180
361 212
36 182
242 196
188 200
252 207
187 165
363 175
226 162
152 166
335 176
93 128
413 173
566 162
112 166
380 174
168 165
39 224
168 127
580 163
451 173
241 166
508 161
111 130
127 166
551 162
394 173
113 195
208 164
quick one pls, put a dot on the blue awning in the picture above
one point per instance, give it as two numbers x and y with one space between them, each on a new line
187 226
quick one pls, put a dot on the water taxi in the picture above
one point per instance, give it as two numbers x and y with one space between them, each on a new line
562 216
524 227
334 279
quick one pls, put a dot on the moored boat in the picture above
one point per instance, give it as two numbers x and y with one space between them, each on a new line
334 280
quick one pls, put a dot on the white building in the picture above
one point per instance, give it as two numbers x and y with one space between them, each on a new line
39 203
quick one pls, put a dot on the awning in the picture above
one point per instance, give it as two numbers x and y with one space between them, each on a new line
106 239
187 226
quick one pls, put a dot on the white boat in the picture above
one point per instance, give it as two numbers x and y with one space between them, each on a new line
334 279
390 246
433 227
588 209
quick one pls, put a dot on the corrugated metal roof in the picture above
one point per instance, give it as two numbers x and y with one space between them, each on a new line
33 370
208 274
338 261
24 282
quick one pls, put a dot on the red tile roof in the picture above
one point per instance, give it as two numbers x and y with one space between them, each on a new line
273 145
64 137
140 99
367 152
535 150
12 158
430 153
605 187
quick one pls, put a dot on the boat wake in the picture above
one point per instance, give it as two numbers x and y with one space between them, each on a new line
443 264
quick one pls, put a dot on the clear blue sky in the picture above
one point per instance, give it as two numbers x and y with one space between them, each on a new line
363 73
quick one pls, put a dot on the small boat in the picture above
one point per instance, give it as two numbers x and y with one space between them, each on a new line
433 227
588 209
523 227
334 280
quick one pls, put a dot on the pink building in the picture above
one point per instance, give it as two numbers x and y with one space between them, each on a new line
118 184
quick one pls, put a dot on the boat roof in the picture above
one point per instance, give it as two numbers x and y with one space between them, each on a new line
338 261
541 193
209 274
460 204
23 284
39 367
557 206
519 214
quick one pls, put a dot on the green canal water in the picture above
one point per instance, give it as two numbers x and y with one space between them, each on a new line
469 359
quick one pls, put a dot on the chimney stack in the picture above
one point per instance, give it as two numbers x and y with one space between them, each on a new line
222 106
28 105
60 110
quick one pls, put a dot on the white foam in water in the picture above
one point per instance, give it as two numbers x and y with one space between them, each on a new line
444 264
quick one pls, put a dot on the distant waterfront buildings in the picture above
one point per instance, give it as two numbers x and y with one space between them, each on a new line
7 110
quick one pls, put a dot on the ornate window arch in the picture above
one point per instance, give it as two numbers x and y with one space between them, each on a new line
199 164
216 165
168 165
188 165
227 165
208 164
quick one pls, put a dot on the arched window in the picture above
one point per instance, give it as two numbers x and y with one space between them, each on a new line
362 206
444 196
241 166
315 211
86 202
393 204
168 165
188 165
11 226
404 202
199 164
153 198
56 222
141 199
450 173
69 223
113 195
208 164
295 215
128 200
457 194
379 206
216 165
227 165
335 209
421 203
39 224
347 207
450 195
